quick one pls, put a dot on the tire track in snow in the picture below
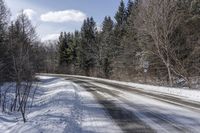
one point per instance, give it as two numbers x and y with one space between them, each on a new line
90 114
125 119
161 120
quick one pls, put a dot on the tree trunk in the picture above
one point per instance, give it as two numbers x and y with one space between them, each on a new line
169 76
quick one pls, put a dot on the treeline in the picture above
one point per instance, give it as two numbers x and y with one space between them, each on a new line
157 39
153 41
17 74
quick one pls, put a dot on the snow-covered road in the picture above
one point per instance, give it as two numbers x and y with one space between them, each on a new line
68 104
161 114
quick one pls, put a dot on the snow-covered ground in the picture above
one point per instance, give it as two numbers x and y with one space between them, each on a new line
183 93
60 106
63 106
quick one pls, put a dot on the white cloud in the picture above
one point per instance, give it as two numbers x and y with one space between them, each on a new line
63 16
30 13
50 37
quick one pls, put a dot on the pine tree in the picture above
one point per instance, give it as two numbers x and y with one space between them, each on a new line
108 24
129 7
88 45
4 19
69 51
119 32
131 48
121 16
119 29
62 44
107 49
77 49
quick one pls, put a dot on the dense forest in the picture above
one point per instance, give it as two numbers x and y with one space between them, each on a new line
153 41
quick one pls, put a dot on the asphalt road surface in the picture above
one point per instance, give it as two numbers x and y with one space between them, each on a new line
137 111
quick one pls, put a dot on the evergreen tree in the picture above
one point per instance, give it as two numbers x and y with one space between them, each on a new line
62 44
119 32
77 50
121 15
69 50
129 41
107 49
108 25
119 29
4 19
121 19
88 45
129 7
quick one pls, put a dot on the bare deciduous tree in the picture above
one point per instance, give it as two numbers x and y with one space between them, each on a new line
157 22
21 38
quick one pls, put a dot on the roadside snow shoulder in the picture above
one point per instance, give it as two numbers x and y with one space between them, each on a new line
183 93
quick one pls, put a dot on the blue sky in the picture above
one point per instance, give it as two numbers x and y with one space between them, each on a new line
53 16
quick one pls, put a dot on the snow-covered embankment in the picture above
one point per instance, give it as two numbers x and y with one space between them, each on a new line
61 106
